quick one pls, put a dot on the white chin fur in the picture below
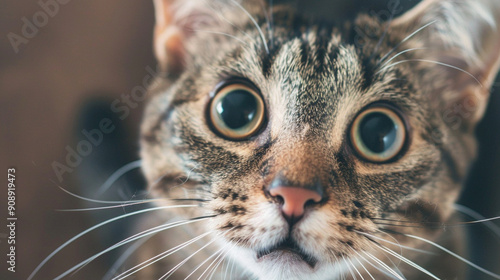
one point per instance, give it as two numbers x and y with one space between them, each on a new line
287 268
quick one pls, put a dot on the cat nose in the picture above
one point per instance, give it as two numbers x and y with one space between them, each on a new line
294 200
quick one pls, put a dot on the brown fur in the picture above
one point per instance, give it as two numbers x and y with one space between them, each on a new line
315 78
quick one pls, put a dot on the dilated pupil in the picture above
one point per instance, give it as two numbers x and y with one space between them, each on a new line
237 108
378 132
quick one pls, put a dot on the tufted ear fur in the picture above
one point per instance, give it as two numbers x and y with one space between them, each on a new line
176 22
465 35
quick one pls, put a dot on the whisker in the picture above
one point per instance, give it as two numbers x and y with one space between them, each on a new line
361 263
376 267
407 261
122 203
107 201
266 15
189 199
379 43
255 23
209 268
384 265
232 269
222 259
403 221
394 266
175 268
226 270
117 174
473 214
396 242
124 256
431 61
158 257
393 243
214 269
271 29
496 276
219 14
406 39
98 226
482 220
402 52
408 226
348 259
103 208
205 261
128 240
350 269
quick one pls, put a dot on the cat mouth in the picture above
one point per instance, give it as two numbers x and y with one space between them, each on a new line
287 249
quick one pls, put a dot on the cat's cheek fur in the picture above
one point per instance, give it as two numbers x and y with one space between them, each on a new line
260 227
313 84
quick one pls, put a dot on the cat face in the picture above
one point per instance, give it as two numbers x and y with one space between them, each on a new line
306 141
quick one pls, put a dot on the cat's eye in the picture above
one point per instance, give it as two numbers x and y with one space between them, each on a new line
378 134
236 112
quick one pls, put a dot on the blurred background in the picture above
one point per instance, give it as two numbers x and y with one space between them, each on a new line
63 64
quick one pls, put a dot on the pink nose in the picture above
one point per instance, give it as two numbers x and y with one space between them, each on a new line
294 199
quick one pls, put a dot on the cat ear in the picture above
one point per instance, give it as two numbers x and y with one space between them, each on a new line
463 34
176 21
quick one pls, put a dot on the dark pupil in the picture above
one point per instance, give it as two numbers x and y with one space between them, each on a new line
378 132
237 108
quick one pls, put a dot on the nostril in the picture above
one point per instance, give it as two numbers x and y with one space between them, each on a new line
294 200
280 199
310 202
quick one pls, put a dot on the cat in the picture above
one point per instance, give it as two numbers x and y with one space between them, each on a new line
317 151
288 147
